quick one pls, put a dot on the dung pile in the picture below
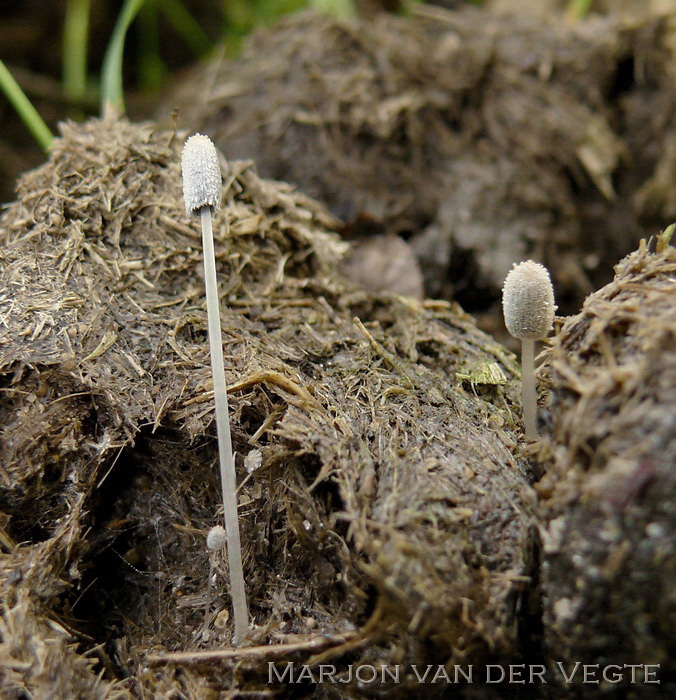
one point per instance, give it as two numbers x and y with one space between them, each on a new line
609 499
560 10
384 514
482 139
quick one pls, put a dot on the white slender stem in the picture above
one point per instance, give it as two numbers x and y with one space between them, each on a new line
207 605
529 396
228 481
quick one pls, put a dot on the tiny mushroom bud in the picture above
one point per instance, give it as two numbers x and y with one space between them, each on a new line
216 538
202 194
528 307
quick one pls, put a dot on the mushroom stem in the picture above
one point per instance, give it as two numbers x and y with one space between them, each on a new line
528 397
228 482
207 605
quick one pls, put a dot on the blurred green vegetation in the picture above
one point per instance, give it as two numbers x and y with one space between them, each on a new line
24 108
241 17
112 88
148 21
238 19
578 9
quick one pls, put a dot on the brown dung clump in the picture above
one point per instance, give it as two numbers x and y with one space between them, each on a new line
482 139
384 514
609 498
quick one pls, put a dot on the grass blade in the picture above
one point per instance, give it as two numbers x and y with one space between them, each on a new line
112 91
23 106
187 26
578 9
75 38
342 9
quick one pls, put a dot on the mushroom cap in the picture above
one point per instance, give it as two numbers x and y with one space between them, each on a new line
201 174
528 301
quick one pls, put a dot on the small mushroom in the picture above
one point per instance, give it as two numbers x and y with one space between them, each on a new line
216 538
528 307
215 542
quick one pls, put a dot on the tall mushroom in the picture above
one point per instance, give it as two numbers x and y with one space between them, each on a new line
202 194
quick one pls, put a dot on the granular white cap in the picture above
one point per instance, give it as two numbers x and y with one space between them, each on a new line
216 538
528 301
201 174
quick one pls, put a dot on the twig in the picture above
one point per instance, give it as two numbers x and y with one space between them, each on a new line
259 652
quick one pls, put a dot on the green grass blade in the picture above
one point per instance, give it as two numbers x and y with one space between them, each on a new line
75 38
151 68
578 9
343 9
112 91
187 26
23 106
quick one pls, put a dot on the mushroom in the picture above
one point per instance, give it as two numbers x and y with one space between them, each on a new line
215 542
528 307
202 194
